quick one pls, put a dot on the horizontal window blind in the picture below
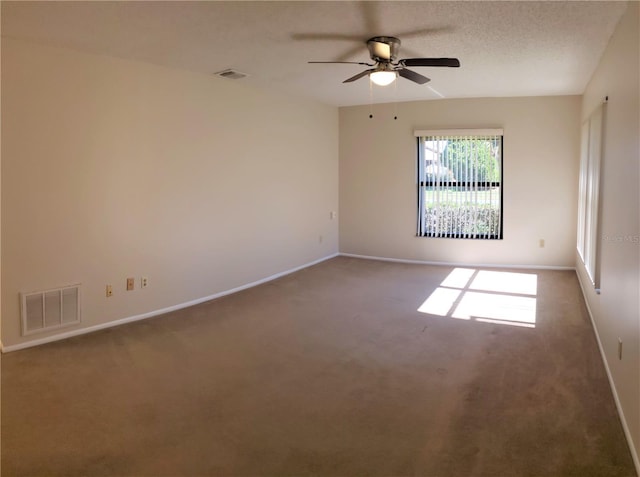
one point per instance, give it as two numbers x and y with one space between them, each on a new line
460 184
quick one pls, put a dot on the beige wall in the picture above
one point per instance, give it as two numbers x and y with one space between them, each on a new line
541 154
616 311
113 168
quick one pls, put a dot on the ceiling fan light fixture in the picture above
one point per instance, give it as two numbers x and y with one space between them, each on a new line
383 78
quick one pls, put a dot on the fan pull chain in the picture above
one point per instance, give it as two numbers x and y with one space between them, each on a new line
370 98
395 99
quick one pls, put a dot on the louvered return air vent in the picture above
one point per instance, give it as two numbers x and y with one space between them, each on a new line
231 74
50 309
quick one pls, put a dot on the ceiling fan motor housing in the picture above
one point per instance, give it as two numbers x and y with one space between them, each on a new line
383 49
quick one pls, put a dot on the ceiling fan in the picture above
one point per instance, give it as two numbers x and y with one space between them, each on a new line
383 50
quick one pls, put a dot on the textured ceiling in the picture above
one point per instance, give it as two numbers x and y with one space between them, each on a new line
506 48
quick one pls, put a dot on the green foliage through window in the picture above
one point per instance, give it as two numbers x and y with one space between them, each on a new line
460 186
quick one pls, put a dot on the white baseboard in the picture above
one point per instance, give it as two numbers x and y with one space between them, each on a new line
458 264
143 316
625 427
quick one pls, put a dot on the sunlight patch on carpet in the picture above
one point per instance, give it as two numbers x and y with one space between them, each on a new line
505 298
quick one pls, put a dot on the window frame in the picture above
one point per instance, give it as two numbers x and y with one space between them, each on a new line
589 207
421 181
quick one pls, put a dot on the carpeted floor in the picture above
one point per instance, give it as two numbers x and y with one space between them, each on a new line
330 371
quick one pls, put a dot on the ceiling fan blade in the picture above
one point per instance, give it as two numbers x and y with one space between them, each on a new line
370 14
424 32
342 62
325 36
413 76
354 52
359 75
410 52
450 62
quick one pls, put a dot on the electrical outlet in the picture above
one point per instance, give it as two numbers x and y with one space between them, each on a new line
333 215
320 238
130 284
109 291
541 243
144 282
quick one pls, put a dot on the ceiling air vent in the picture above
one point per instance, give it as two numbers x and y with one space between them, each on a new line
231 74
50 309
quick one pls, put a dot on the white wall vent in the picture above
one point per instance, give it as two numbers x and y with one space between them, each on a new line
231 74
50 309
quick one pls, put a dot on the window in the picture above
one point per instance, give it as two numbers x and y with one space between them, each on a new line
588 204
460 184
